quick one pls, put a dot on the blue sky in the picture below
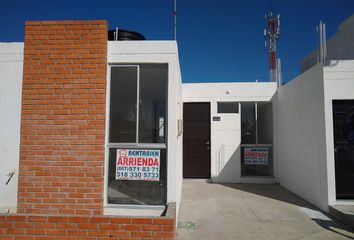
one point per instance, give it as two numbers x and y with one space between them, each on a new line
219 40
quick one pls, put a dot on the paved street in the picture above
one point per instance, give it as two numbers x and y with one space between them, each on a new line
251 211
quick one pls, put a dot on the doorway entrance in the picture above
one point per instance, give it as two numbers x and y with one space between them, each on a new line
343 125
196 140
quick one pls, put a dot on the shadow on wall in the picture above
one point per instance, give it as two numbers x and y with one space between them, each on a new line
228 168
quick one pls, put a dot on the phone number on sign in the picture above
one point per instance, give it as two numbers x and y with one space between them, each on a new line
138 169
137 175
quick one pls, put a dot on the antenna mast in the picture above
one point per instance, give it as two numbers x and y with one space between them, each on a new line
322 49
271 35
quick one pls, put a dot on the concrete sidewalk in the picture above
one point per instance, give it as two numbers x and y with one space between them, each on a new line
251 211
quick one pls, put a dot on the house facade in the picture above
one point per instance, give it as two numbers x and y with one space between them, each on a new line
98 135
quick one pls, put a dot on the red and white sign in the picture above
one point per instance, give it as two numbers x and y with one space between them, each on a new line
256 156
138 164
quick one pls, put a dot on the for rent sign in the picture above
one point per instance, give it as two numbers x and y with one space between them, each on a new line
256 156
138 164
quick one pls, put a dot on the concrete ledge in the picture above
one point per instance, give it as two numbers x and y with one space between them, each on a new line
170 210
343 213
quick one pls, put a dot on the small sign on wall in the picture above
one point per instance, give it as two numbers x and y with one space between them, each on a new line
138 164
216 118
256 156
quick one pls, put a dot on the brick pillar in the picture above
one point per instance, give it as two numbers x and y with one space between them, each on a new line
63 118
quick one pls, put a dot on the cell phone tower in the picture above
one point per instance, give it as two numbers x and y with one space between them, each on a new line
271 35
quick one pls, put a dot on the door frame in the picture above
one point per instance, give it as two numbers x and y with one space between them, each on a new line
210 144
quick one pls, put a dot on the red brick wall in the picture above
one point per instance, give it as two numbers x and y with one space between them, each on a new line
63 119
39 227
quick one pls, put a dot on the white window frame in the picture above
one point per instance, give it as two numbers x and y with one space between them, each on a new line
111 208
257 144
235 102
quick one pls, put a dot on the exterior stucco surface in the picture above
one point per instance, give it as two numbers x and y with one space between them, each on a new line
11 64
226 134
300 136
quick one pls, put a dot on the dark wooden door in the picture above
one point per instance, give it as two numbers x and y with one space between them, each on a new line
196 140
343 121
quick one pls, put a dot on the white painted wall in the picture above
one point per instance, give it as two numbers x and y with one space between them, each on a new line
158 52
338 84
225 134
339 46
300 137
11 65
304 130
